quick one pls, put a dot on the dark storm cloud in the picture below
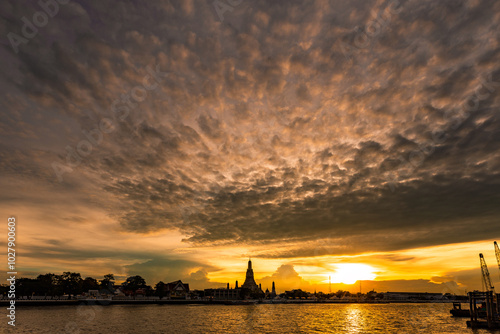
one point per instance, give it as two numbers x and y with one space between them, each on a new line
262 129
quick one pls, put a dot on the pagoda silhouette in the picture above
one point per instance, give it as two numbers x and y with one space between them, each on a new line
250 280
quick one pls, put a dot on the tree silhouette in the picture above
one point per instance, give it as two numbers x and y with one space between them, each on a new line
134 282
108 282
71 283
49 285
89 283
160 289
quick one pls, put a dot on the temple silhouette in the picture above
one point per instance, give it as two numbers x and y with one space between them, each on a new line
249 279
249 289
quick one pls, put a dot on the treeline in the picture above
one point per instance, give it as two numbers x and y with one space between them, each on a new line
69 283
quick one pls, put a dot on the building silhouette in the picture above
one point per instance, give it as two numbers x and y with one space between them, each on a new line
177 289
249 289
249 280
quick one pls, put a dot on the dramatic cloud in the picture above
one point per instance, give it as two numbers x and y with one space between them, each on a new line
285 278
303 128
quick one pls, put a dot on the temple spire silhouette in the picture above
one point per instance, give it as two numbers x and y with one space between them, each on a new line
249 280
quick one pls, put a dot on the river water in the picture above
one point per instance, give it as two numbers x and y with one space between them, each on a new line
260 318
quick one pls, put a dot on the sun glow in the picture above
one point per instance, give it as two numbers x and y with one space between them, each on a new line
349 273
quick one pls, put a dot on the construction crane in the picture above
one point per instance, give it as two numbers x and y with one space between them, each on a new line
486 274
497 253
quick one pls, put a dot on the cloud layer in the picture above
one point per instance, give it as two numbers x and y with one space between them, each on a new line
364 126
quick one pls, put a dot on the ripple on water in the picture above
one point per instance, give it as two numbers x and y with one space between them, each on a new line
263 318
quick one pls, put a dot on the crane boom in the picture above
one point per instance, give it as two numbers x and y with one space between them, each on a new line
486 273
497 254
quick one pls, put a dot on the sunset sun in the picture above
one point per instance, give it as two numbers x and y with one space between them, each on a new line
349 273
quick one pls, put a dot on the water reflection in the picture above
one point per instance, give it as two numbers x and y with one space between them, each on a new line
264 318
354 319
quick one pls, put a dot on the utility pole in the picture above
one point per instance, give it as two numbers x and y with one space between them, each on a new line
330 284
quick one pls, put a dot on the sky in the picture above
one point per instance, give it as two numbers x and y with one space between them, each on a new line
357 140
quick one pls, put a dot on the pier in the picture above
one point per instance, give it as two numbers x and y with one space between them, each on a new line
488 306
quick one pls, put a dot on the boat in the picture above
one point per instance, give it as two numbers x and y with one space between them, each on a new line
458 312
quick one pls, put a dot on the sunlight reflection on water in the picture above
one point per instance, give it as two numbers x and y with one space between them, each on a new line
263 318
